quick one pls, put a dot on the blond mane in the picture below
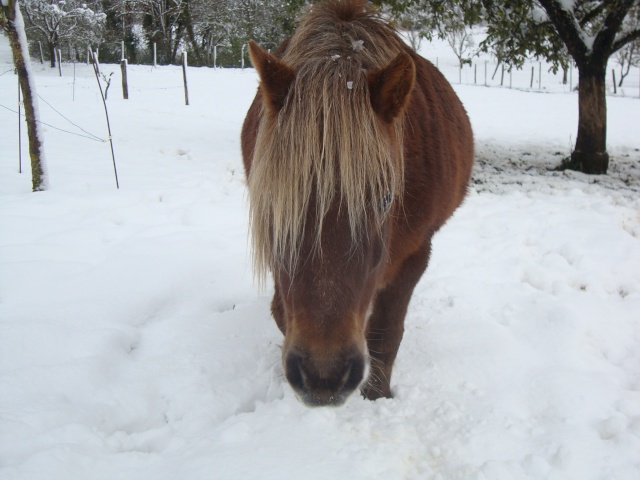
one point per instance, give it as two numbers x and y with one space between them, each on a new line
326 141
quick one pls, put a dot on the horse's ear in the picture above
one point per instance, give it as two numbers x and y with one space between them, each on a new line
275 76
391 86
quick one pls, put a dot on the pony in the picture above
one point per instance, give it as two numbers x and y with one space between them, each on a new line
356 151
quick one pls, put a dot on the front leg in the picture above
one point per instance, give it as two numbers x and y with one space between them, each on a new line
386 324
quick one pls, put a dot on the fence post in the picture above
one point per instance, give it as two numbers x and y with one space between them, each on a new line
495 71
155 63
615 89
41 54
96 64
19 129
242 56
60 61
532 72
184 76
215 56
125 83
539 75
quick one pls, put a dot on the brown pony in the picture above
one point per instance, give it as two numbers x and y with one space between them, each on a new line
356 152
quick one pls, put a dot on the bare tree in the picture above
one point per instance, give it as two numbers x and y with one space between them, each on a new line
57 22
629 55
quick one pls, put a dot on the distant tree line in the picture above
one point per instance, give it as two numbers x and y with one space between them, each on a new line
200 27
207 27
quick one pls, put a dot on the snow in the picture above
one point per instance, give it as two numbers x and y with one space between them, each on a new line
567 5
134 345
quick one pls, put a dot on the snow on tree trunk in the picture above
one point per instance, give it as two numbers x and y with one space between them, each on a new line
13 24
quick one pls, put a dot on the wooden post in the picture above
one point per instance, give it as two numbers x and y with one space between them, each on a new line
615 89
88 54
41 54
19 129
475 73
60 61
125 84
184 76
532 72
242 55
122 49
155 63
502 76
539 75
495 71
215 56
96 63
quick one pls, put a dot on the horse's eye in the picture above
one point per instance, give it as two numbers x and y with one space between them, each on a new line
386 202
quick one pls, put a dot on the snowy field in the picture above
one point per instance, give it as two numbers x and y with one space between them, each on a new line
135 345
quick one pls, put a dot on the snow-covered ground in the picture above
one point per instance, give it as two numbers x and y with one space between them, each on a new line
134 344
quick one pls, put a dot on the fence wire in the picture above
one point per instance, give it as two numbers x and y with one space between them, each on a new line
90 136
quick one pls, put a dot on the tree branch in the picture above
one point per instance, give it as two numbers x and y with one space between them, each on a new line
568 29
625 39
597 10
603 44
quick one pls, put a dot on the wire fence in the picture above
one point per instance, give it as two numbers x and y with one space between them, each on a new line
89 136
533 76
67 82
64 96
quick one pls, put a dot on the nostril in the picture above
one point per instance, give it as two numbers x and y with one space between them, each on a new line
355 374
293 371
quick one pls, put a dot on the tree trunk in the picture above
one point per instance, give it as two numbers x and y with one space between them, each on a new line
38 176
590 153
52 54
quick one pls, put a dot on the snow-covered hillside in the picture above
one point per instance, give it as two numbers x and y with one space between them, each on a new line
134 344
